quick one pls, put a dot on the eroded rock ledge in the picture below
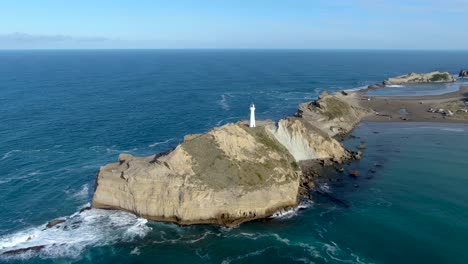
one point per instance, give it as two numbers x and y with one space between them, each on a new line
232 173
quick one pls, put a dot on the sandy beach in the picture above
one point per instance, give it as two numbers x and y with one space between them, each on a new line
413 108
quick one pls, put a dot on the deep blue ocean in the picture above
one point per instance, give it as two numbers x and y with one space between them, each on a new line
63 114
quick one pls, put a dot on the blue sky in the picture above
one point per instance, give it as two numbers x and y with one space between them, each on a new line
293 24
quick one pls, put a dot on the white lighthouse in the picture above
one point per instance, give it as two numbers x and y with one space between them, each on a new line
252 115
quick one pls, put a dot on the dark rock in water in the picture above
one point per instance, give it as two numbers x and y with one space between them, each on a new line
463 73
54 222
375 132
372 171
22 250
358 155
376 86
361 146
333 199
85 209
354 173
340 169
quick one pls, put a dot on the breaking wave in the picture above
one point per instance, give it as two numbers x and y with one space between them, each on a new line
82 193
289 213
395 86
161 142
91 227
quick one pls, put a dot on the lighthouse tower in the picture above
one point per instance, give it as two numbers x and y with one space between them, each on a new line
252 115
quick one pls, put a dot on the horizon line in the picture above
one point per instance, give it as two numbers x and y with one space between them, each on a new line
227 49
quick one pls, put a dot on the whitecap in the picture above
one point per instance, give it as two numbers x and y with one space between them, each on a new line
93 227
82 194
161 142
34 173
135 251
394 86
324 187
223 102
9 154
289 213
453 129
5 181
356 88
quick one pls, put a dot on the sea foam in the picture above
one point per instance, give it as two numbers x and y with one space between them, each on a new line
93 227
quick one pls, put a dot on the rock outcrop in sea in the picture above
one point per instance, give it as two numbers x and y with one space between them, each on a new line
463 73
231 174
433 77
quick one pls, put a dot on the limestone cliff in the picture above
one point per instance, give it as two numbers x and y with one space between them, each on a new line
432 77
306 142
226 176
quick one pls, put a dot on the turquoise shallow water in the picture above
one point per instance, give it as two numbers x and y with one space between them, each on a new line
65 113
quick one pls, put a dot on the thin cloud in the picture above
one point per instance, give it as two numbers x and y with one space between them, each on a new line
19 38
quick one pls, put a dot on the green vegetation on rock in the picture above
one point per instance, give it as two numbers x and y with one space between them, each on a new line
439 77
334 108
217 170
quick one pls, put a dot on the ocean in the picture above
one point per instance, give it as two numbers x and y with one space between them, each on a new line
65 113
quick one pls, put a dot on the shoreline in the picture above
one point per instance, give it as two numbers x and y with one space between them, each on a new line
413 108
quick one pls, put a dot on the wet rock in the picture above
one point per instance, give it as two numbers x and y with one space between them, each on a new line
354 173
376 86
340 169
54 222
463 73
361 146
326 162
22 250
85 209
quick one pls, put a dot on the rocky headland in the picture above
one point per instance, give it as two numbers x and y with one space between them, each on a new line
233 173
433 77
463 74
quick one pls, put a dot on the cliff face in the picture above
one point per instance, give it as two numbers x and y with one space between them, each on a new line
226 176
432 77
306 142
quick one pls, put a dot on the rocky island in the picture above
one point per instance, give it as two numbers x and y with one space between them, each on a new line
433 77
234 173
230 174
